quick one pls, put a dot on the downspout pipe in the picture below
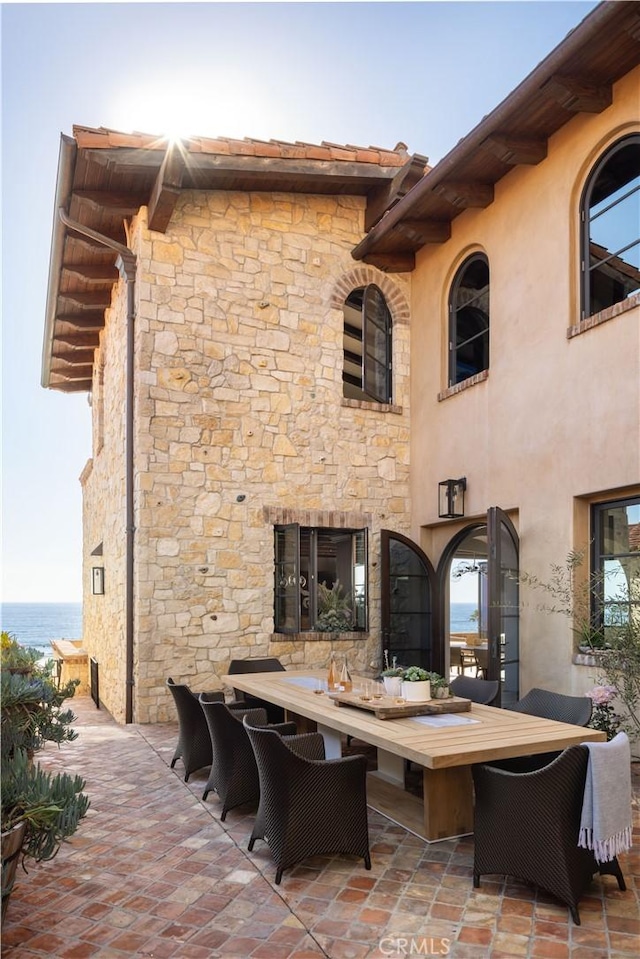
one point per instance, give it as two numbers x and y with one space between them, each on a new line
126 266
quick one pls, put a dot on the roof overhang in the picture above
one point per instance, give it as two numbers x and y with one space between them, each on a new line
104 177
577 77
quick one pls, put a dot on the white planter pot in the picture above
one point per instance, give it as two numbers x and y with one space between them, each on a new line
417 692
393 685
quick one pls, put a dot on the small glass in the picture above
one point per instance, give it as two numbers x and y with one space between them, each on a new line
365 694
377 690
321 685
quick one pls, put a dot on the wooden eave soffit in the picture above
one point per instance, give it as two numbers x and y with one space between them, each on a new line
78 341
384 197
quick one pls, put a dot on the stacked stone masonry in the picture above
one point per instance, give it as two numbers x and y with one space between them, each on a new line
239 355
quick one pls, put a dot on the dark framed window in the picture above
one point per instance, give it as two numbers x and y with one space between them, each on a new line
616 562
610 215
320 579
366 373
469 320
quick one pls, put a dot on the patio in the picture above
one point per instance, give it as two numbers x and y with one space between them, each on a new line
153 872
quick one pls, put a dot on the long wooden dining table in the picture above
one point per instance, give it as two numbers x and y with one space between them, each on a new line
444 746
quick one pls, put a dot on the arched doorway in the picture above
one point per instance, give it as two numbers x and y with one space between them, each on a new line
417 602
478 587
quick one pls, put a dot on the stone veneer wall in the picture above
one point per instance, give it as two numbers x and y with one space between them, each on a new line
104 518
239 394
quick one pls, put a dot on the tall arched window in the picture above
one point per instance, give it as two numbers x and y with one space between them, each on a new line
469 320
366 373
610 214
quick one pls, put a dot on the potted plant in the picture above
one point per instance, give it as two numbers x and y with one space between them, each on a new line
416 687
439 686
17 658
392 676
335 611
38 811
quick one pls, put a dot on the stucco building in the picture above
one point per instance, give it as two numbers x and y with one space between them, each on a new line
288 347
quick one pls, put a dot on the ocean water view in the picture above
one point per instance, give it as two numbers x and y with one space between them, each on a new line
36 624
461 621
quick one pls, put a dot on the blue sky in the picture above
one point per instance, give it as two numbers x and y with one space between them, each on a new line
361 73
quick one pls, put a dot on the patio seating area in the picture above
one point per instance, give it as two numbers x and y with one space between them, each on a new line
153 871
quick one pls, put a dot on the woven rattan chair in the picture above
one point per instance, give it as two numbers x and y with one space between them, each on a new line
234 774
194 741
527 825
309 806
481 691
271 664
548 705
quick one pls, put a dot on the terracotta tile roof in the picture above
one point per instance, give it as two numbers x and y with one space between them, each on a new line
104 138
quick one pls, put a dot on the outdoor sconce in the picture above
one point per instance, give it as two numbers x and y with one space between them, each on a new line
97 580
451 498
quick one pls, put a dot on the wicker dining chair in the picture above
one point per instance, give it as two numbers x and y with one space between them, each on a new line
558 706
469 660
526 824
309 806
481 691
194 741
234 774
269 664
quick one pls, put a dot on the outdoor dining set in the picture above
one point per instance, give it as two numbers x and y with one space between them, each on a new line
532 783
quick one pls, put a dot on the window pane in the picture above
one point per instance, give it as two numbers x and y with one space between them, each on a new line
620 529
287 596
613 229
469 333
376 325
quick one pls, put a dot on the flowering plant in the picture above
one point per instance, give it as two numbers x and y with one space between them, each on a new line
603 716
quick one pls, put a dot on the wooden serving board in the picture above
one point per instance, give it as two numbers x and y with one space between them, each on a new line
388 708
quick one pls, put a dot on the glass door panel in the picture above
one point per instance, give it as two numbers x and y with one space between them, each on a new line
503 606
407 608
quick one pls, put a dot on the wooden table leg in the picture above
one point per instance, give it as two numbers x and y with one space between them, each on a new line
448 802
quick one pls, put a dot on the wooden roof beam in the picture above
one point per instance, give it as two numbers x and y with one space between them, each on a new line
392 262
578 95
384 197
464 194
88 299
71 356
166 189
92 272
516 149
121 204
76 323
77 341
424 231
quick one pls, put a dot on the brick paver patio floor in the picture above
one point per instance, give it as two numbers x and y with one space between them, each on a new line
153 872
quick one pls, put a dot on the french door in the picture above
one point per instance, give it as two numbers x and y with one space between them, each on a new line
414 617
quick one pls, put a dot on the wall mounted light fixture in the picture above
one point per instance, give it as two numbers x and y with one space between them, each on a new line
97 580
451 498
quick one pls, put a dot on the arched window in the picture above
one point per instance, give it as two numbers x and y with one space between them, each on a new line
610 214
469 320
366 373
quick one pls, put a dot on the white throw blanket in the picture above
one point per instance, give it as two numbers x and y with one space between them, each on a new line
605 826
